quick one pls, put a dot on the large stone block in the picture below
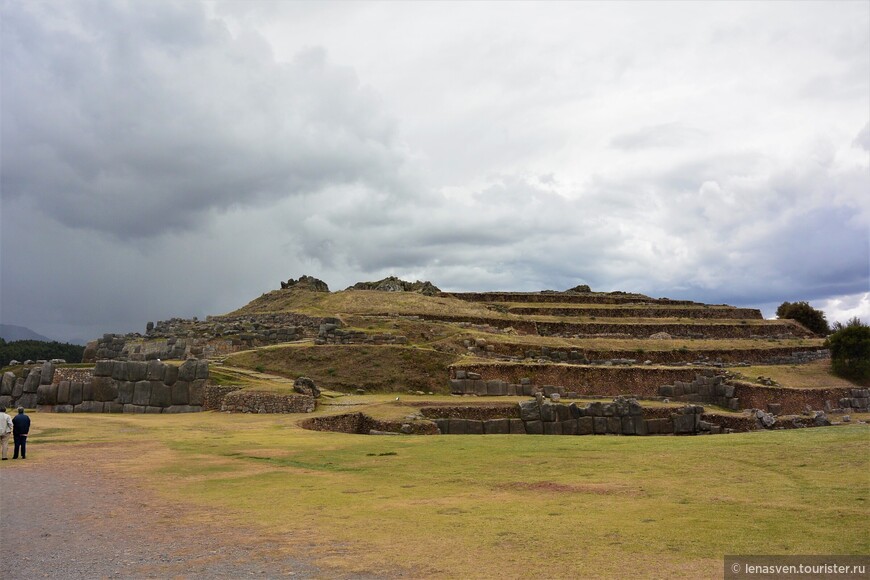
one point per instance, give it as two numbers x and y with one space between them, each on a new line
569 427
457 386
666 391
187 370
627 426
27 400
563 413
202 369
652 426
32 382
125 392
170 375
535 427
119 370
479 387
684 424
46 395
474 427
443 425
585 426
552 428
76 390
104 368
136 370
180 394
517 427
153 410
113 407
161 395
47 375
64 409
134 409
530 411
549 411
458 427
104 389
155 371
614 425
88 391
640 426
7 383
142 393
18 388
63 393
600 425
496 427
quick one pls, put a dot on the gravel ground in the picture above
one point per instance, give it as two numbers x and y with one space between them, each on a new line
68 521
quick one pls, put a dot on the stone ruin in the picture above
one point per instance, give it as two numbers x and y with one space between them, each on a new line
114 387
394 284
707 388
305 283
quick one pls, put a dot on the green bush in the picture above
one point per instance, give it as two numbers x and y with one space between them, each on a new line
805 314
850 350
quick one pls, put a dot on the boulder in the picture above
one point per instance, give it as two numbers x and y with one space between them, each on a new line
46 395
306 386
7 383
187 370
530 411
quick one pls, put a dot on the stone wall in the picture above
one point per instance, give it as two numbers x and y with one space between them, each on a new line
706 388
180 338
859 400
710 330
718 312
261 402
680 357
583 380
213 396
621 417
125 387
565 297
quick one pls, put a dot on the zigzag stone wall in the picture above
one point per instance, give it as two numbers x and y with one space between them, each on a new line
128 387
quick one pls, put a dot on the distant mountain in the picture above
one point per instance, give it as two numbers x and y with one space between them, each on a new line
10 332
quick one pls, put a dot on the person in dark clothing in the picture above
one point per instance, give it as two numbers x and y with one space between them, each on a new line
20 429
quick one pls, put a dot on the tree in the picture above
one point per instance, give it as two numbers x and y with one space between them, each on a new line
850 350
805 314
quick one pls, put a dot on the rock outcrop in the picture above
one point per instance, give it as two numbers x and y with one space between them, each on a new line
309 283
393 284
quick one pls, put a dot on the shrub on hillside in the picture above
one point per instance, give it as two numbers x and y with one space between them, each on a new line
850 350
805 314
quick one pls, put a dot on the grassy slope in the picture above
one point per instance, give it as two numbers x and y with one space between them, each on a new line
814 375
490 506
376 368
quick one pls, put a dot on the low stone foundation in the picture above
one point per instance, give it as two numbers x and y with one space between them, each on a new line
260 402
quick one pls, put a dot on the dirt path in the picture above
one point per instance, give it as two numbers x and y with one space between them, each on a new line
65 520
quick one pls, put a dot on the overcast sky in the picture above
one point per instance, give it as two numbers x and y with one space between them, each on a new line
168 159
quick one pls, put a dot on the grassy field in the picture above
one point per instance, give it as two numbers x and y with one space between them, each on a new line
495 506
814 375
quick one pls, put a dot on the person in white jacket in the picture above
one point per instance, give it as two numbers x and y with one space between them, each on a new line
5 432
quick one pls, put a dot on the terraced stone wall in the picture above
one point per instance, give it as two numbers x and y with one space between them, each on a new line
127 387
583 380
646 312
705 389
776 355
239 401
562 297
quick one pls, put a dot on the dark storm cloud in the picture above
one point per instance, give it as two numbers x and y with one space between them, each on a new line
136 119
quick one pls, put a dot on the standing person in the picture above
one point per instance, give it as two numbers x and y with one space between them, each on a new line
20 429
5 432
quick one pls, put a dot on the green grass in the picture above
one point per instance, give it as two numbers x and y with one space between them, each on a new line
814 375
472 506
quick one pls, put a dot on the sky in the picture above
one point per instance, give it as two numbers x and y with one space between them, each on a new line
162 159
